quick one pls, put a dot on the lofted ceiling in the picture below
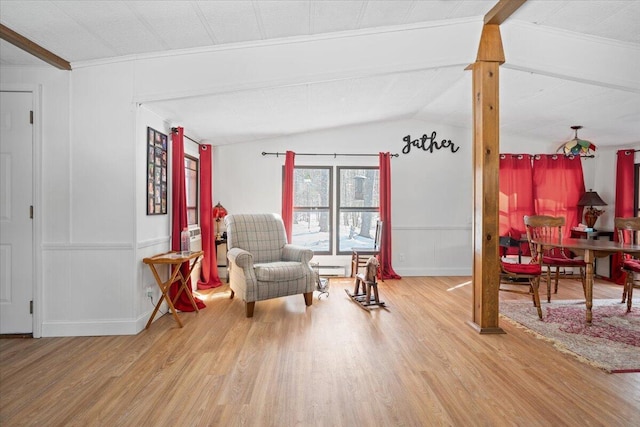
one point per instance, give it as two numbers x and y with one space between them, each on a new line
536 102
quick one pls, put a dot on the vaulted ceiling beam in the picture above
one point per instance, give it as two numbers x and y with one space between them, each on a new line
33 48
501 11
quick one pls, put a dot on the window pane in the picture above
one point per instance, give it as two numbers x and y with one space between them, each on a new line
311 187
191 184
311 229
312 208
359 187
356 229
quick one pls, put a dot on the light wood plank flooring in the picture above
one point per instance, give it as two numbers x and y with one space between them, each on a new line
332 364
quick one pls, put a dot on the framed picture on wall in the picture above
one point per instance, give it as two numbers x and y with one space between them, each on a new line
156 172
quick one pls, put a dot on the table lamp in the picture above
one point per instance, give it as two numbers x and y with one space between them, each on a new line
591 199
219 212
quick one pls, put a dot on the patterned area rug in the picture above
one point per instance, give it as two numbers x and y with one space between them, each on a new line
611 342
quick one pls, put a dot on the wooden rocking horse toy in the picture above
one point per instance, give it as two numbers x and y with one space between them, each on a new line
365 298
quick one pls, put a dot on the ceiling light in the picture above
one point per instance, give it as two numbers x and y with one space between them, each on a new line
577 146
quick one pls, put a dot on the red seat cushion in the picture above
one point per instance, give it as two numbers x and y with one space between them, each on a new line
562 261
632 265
522 268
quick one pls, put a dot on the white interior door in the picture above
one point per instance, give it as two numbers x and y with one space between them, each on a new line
16 224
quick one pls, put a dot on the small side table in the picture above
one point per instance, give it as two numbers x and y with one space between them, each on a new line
175 261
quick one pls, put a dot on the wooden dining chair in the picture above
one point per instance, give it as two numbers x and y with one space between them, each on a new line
516 274
550 227
628 232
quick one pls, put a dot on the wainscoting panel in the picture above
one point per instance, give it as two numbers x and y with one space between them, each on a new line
92 297
432 251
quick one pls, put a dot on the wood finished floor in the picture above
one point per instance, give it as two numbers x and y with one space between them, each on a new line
332 364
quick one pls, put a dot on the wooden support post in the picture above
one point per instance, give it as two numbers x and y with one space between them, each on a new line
486 148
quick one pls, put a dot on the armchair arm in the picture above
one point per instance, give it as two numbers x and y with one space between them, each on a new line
240 257
296 253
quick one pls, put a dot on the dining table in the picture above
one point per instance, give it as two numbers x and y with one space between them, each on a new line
590 249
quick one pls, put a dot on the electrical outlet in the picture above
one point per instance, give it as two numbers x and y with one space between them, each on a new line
149 293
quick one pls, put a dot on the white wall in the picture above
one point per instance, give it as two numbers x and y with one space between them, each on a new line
431 192
85 200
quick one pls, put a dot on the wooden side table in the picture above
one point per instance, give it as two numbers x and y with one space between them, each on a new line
174 260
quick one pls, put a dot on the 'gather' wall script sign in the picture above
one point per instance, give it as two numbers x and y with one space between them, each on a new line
427 143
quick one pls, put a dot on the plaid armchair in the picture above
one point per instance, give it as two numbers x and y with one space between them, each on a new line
262 265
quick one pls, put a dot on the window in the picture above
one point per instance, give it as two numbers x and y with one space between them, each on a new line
191 184
358 207
312 208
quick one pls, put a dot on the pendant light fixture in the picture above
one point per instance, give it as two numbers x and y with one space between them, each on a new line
577 146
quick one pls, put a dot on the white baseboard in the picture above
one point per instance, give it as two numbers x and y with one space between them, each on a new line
96 328
409 272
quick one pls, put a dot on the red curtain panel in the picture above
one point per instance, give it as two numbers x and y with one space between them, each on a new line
516 196
386 270
209 275
624 202
287 194
558 184
179 216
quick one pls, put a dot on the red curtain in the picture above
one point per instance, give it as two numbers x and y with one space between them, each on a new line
516 196
386 270
179 214
209 275
287 194
624 202
558 184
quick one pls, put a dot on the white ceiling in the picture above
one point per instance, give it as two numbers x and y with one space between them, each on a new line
536 104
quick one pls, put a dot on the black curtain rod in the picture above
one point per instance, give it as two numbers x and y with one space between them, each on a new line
174 130
327 154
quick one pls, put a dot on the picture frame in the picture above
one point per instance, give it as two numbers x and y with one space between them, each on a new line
157 159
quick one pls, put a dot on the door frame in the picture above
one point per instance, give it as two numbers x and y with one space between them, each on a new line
36 182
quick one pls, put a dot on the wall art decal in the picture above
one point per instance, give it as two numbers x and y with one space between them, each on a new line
428 143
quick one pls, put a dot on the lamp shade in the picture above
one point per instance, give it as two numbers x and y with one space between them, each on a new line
591 198
576 146
219 211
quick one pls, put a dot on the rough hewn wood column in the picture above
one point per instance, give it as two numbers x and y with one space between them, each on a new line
486 148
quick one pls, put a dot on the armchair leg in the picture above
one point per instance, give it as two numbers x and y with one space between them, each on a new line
248 308
308 298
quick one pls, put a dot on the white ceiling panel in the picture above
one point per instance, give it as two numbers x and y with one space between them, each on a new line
379 14
332 16
115 24
180 28
542 106
230 21
279 19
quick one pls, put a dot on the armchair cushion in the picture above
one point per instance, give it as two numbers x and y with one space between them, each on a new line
279 271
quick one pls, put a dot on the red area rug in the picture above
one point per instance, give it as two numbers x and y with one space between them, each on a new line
611 342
